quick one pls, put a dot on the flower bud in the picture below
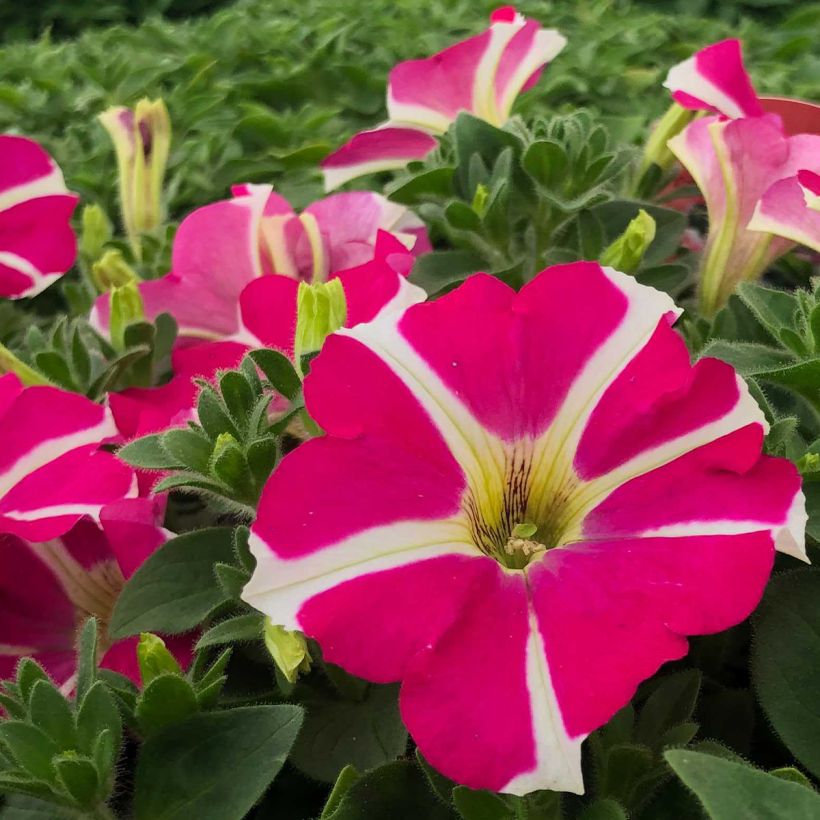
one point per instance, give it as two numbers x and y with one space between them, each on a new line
626 252
95 233
154 659
142 139
321 310
126 309
288 649
9 363
112 271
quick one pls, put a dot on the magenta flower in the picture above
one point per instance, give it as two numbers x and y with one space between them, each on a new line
52 471
740 159
522 506
47 590
37 244
223 247
482 75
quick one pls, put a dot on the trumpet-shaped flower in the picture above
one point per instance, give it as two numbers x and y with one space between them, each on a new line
223 247
482 75
268 318
738 166
522 506
52 471
37 244
47 590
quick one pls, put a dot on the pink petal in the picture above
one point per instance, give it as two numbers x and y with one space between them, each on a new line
784 210
730 487
360 507
715 79
275 205
25 163
216 253
268 307
529 345
626 606
382 149
799 116
133 530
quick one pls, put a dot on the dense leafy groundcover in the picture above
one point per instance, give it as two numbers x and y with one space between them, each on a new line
402 502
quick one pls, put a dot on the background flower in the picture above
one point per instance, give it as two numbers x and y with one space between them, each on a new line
37 244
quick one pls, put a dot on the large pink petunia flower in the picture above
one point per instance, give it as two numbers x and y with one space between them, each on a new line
482 75
47 590
37 244
223 247
522 506
52 471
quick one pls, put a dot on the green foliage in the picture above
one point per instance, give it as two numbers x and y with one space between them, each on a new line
213 766
233 449
61 752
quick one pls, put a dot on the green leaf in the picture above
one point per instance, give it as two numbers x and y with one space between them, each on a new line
18 807
86 659
339 732
31 747
603 810
747 358
147 453
176 587
442 786
79 778
279 371
241 628
50 711
792 775
237 395
785 660
166 699
212 414
98 713
397 791
29 673
440 269
215 765
480 805
672 702
546 161
188 448
730 790
774 309
347 777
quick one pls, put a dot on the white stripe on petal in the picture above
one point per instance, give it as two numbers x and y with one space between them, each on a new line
50 185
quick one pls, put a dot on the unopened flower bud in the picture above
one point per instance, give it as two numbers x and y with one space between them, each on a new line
626 252
126 309
142 139
112 271
289 650
321 310
154 659
669 125
95 233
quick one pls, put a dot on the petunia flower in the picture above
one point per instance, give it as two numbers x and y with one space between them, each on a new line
482 75
522 506
268 318
737 165
221 248
52 471
791 209
37 244
47 590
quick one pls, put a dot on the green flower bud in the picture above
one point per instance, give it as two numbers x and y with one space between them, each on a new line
321 310
112 271
626 252
288 649
479 203
154 659
95 233
126 309
9 363
142 140
669 125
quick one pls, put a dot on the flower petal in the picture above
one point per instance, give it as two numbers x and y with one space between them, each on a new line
381 149
626 606
369 521
787 210
715 79
491 659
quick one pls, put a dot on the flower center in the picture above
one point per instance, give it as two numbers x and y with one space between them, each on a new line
517 513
